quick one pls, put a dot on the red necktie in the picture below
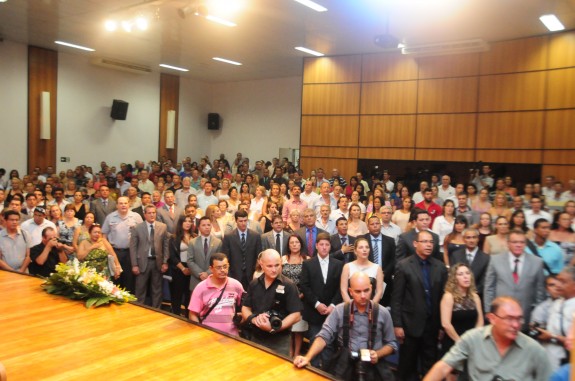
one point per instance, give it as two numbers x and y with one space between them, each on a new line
515 271
310 242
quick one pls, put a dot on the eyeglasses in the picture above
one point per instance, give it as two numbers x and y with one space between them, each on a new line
426 241
220 268
512 319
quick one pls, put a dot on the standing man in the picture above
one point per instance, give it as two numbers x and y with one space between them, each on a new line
183 194
388 228
145 184
295 202
272 298
47 254
536 212
341 244
319 283
309 196
103 205
381 252
214 300
516 274
405 247
206 198
550 252
336 177
170 212
146 200
473 257
484 180
242 247
418 287
277 238
117 230
445 191
14 244
200 250
309 232
342 209
325 198
431 207
149 253
463 209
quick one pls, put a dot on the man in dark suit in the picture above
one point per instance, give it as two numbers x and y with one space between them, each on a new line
146 200
169 213
199 251
476 259
308 233
277 238
319 283
265 179
103 206
418 287
382 252
405 246
149 253
242 246
341 243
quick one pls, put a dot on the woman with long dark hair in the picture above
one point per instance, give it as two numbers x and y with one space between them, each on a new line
180 284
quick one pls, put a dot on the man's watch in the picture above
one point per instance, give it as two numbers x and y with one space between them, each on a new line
554 340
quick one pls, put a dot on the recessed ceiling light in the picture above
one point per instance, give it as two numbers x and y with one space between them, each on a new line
141 23
173 67
309 51
227 61
111 25
551 22
220 20
312 5
74 46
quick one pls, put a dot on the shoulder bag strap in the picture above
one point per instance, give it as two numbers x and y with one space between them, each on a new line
202 318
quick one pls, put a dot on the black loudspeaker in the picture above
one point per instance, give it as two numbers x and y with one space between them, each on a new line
213 121
119 109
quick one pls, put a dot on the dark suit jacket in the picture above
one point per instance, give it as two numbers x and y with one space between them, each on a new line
100 212
165 217
301 232
315 290
269 241
478 267
139 210
388 265
140 245
408 306
405 246
231 246
336 252
265 183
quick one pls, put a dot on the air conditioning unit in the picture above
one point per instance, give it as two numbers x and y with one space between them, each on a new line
445 48
121 65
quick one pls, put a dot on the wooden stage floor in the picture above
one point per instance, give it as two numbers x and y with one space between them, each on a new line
48 337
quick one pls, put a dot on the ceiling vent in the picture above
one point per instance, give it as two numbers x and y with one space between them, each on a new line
445 48
121 65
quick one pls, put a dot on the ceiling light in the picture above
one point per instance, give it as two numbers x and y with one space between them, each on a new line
74 46
220 20
309 51
227 61
141 23
551 22
127 26
110 25
173 67
312 5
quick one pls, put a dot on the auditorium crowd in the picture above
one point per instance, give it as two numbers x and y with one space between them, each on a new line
439 252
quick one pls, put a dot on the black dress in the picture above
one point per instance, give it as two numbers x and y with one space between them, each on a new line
463 318
81 213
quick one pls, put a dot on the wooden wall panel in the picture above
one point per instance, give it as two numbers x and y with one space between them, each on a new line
562 173
388 67
446 131
444 154
447 95
332 69
509 156
562 50
336 99
559 129
558 156
510 130
42 76
448 66
337 152
169 100
561 88
389 97
329 130
523 91
347 167
385 153
387 131
528 54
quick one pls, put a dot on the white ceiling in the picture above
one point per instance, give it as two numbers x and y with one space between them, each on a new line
268 30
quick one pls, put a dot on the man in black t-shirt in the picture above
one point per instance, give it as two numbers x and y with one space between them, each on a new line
47 254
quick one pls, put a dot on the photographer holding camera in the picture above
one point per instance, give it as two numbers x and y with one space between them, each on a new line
272 305
47 254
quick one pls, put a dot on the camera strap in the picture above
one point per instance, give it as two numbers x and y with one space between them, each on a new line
202 318
348 318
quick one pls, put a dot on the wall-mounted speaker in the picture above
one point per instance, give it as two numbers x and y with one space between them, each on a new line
213 121
119 109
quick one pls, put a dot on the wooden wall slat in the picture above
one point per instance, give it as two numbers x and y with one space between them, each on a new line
387 130
509 156
512 92
389 97
329 130
42 76
448 66
446 131
346 167
562 173
558 156
559 129
561 88
447 95
562 50
335 152
334 99
169 100
332 69
444 154
510 130
388 67
387 153
528 54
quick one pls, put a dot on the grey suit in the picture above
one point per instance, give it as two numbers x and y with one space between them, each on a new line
100 212
530 290
150 268
269 241
170 221
198 261
301 232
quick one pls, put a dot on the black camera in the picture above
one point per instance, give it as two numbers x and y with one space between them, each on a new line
360 366
275 319
533 332
237 319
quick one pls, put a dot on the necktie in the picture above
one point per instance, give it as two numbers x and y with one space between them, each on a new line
375 251
152 248
172 210
469 258
105 202
426 285
278 243
515 271
343 240
310 242
206 247
243 242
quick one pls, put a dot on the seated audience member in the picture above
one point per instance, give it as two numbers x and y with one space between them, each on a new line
95 252
47 254
14 244
215 300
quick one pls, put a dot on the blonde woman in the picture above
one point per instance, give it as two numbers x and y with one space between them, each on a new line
214 213
355 226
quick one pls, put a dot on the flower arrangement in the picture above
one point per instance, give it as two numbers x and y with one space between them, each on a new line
79 281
